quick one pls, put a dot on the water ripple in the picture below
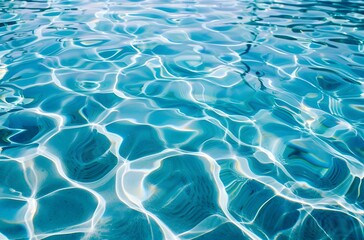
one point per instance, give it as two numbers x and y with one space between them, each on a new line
196 119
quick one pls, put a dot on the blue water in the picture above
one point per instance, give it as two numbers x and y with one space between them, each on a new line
197 119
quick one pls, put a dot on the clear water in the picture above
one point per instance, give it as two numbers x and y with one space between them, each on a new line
184 120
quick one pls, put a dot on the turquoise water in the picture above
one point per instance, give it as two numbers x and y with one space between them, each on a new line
185 120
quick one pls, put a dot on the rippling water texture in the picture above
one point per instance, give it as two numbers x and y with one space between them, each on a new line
186 120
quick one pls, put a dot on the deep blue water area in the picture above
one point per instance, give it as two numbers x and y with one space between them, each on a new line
186 119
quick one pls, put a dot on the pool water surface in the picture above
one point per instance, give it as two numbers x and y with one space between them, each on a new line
186 119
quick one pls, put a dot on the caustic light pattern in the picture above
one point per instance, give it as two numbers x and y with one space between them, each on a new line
186 119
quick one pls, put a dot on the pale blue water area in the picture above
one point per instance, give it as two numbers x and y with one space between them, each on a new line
186 119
